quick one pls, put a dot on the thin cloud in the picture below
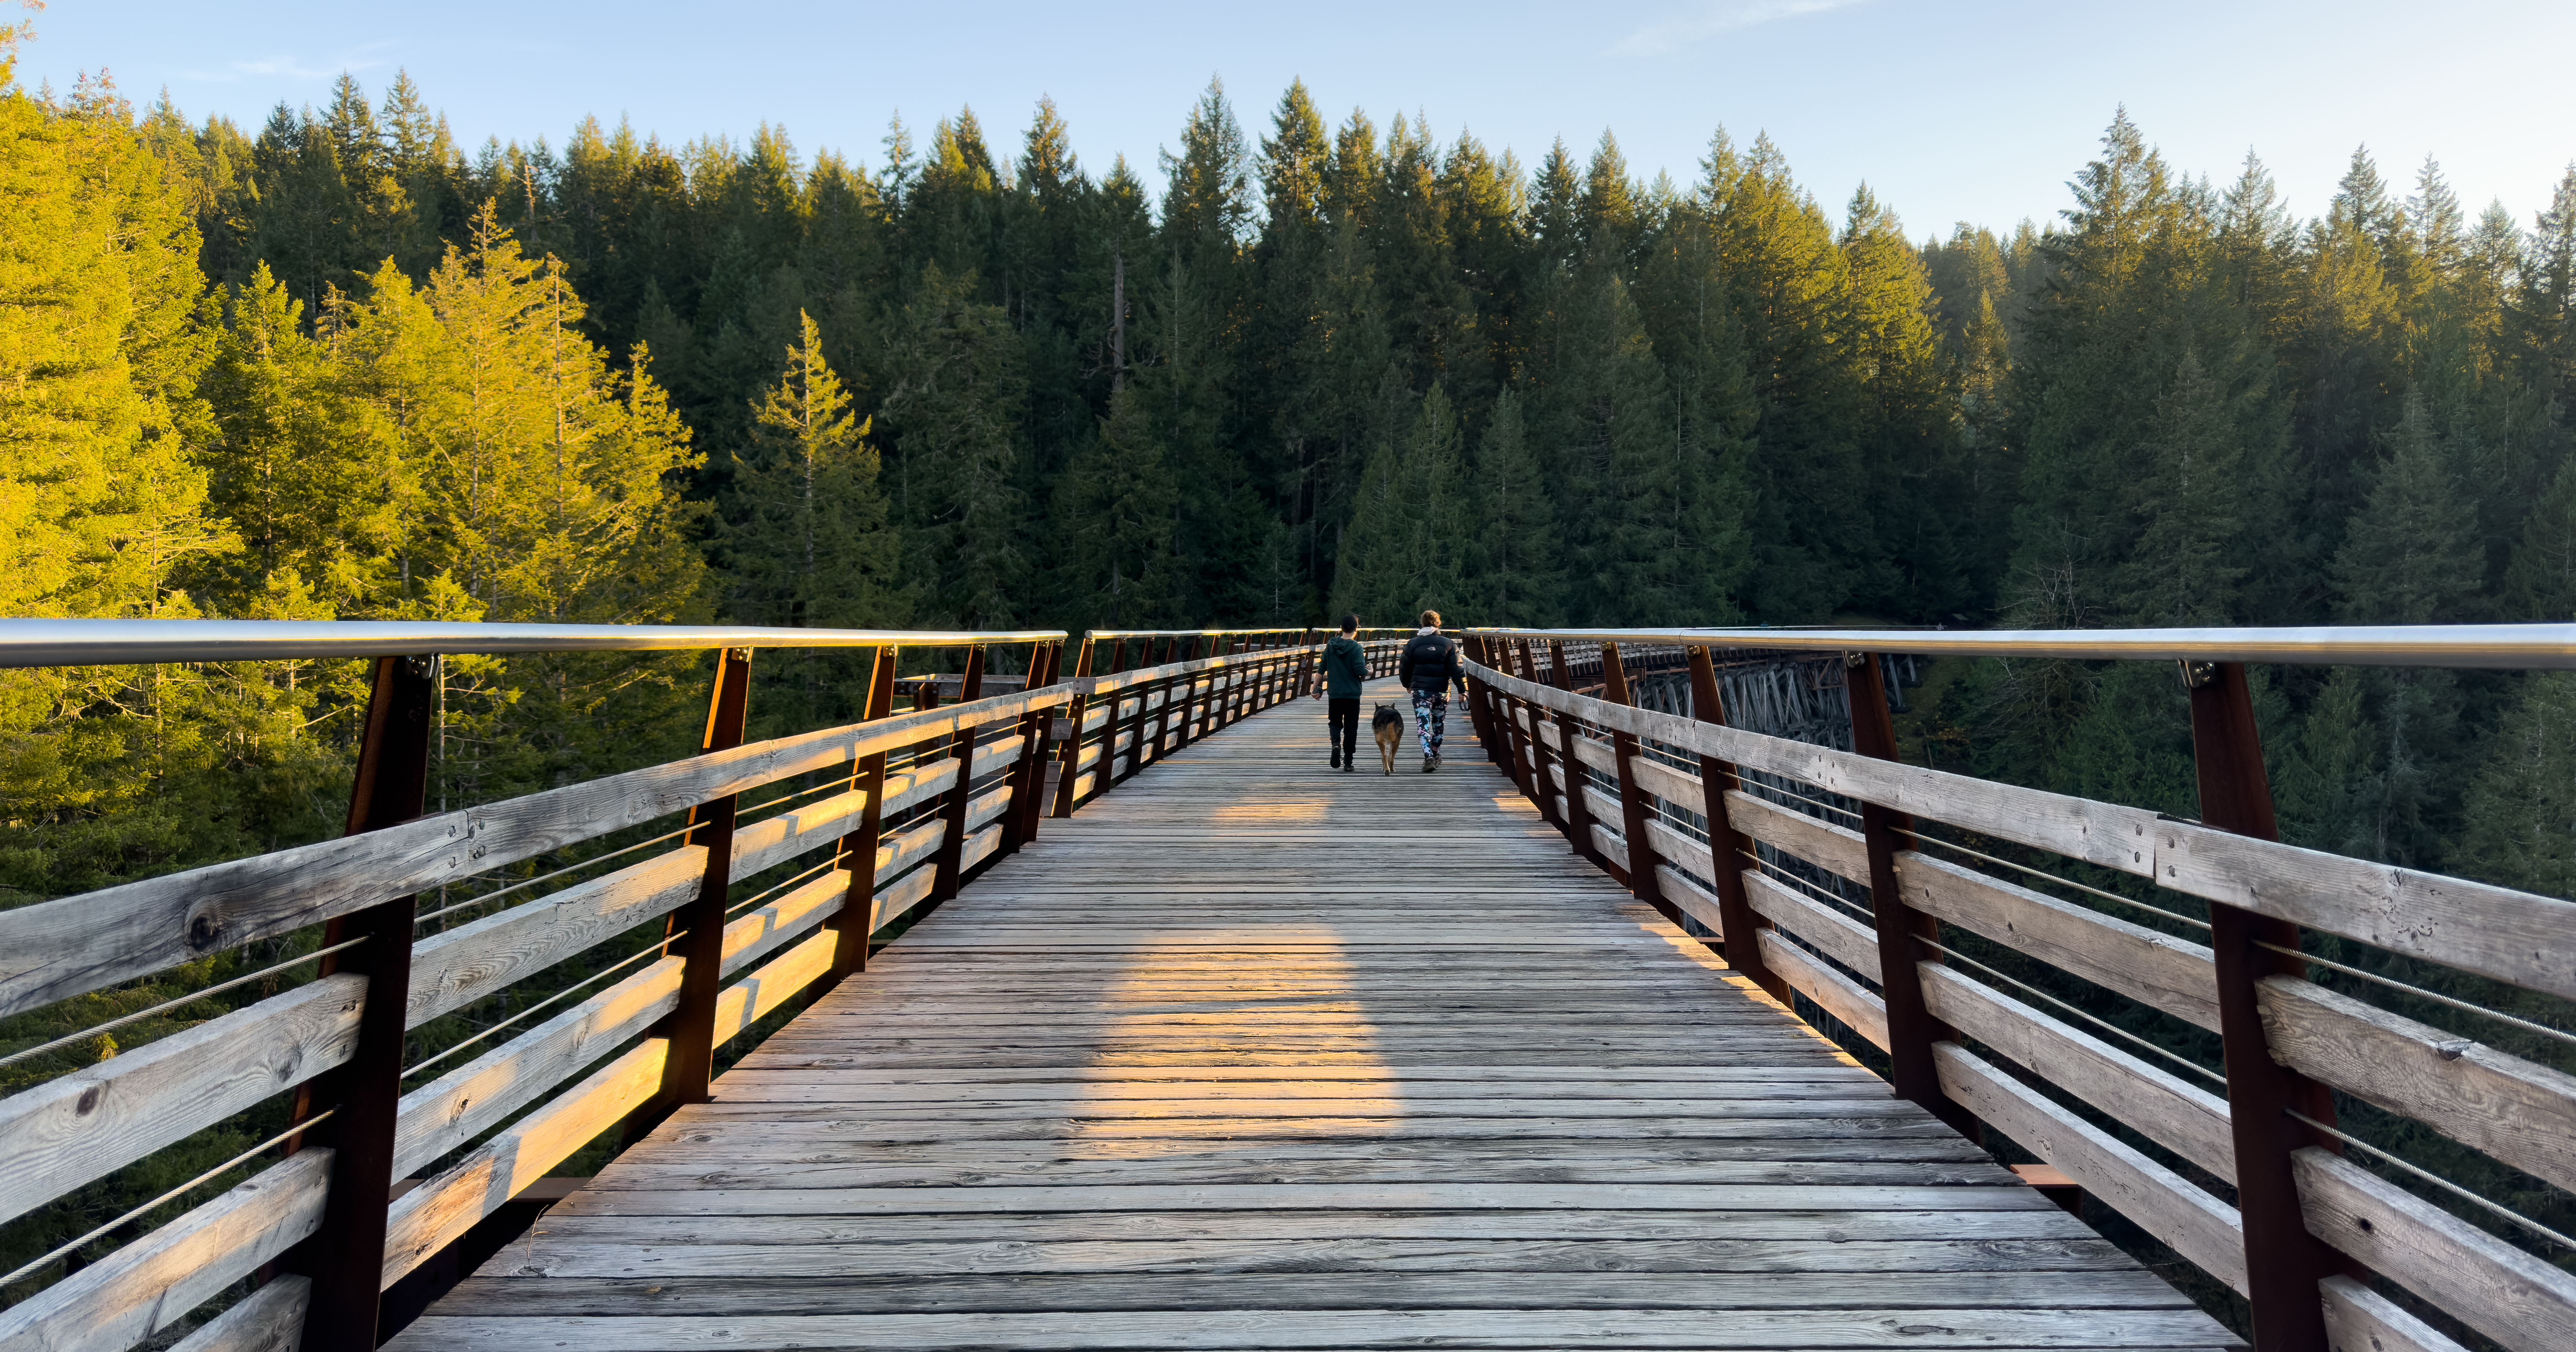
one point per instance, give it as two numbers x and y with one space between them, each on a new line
1655 39
292 68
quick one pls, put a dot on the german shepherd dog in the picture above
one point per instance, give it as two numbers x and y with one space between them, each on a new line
1387 726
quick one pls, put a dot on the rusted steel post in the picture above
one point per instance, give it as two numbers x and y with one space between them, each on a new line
952 845
1578 813
2283 1261
1542 759
345 1258
1911 1029
1507 730
1519 717
1642 882
1188 689
1473 648
1029 773
689 1064
1068 766
1305 663
856 923
1726 847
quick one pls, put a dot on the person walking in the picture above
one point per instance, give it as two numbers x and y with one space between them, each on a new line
1345 671
1430 664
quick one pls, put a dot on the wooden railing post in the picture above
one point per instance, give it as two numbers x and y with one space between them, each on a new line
2283 1261
1068 766
1726 848
1911 1029
1578 813
1029 773
949 862
695 932
345 1258
856 924
1642 882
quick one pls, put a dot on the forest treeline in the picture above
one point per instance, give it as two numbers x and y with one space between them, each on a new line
339 367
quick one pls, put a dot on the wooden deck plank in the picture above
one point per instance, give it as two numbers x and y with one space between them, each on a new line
1249 1054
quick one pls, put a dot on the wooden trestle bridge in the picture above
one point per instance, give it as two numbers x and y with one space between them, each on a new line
1099 1013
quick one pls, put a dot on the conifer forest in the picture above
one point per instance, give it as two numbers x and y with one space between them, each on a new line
338 366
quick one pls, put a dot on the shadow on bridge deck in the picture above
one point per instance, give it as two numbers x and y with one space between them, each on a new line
1253 1054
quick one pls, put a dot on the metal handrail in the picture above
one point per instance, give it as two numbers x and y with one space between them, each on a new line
1325 630
2517 646
65 643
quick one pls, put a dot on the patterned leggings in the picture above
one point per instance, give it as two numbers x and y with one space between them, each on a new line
1430 718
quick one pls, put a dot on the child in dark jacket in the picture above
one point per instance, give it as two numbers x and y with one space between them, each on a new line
1345 671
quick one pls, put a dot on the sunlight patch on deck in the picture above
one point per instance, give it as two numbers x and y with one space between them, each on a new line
1107 1118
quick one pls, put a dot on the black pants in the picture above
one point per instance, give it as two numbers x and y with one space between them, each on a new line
1344 715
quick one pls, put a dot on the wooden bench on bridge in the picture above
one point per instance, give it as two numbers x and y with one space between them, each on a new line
1183 1040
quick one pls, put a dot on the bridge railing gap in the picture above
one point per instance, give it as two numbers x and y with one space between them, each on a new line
399 1161
1879 899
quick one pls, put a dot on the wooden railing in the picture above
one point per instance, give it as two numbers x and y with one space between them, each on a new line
384 1168
1829 875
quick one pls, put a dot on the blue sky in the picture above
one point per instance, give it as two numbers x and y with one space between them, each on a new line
1951 111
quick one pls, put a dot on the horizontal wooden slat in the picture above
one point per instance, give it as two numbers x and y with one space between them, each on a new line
65 1132
2183 1118
1681 790
151 1284
441 1209
270 1319
466 1102
2171 974
1842 938
2158 1200
452 970
2359 1319
1835 993
2485 1283
2521 1113
1669 843
1690 898
1836 849
433 1215
1598 755
57 949
2099 833
2514 937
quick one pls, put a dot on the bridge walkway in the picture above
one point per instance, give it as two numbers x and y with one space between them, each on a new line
1251 1054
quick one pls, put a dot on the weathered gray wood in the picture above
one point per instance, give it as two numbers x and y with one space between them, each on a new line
57 949
65 1132
862 1293
2485 1283
452 970
2156 969
555 1256
1689 897
270 1319
2098 833
1012 1199
2183 1118
1835 849
1837 994
151 1284
2161 1202
1843 939
2514 937
1760 1230
1248 1330
2359 1319
2521 1113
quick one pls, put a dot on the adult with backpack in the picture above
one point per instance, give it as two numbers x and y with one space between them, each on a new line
1431 663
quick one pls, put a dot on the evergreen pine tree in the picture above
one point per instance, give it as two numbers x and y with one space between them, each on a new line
1513 575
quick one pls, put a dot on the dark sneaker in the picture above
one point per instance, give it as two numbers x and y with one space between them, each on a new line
1430 763
1353 767
1337 760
